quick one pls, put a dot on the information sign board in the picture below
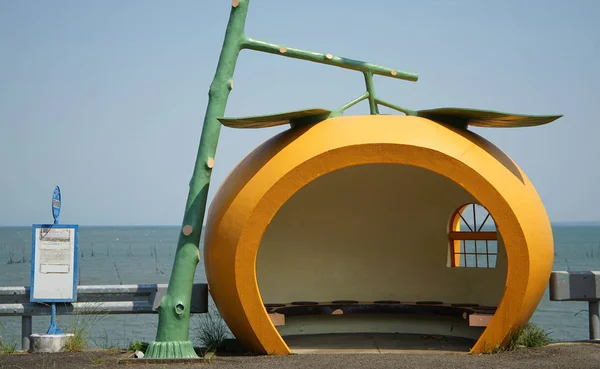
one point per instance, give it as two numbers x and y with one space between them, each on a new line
54 263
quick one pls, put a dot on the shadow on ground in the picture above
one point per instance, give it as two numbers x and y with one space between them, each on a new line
382 343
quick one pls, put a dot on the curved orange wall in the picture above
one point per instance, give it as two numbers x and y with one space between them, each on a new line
254 192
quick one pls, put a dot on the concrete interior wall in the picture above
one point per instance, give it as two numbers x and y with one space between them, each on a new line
372 232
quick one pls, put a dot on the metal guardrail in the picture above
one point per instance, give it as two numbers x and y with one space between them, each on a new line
102 299
579 286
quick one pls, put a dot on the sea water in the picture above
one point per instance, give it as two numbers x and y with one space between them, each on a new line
134 255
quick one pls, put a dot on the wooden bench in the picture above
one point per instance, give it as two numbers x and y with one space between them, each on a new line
479 316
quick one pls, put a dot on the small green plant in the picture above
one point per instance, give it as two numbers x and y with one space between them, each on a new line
8 348
5 347
529 336
211 330
138 346
96 361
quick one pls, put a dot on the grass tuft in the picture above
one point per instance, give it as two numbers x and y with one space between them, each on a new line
8 348
529 336
81 327
211 330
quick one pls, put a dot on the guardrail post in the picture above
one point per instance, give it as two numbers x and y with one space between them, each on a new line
579 286
25 331
594 320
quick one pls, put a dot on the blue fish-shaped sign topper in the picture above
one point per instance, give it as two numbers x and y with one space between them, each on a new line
56 204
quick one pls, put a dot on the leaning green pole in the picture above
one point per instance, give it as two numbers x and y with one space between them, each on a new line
172 337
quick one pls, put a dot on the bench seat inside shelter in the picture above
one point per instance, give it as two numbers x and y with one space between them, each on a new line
476 315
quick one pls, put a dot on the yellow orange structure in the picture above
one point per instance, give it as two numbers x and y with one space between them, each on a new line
361 208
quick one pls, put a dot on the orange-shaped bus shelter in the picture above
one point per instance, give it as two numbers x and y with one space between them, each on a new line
377 224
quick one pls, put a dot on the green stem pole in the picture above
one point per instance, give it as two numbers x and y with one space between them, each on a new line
172 338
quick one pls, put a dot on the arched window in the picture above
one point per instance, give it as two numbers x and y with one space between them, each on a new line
473 238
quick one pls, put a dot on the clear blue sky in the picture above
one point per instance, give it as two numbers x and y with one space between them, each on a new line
107 98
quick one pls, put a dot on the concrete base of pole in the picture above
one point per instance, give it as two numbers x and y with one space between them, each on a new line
48 342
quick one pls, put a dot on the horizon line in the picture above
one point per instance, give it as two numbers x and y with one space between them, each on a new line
555 223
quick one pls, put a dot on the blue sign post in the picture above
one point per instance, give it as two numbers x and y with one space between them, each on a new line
54 262
56 205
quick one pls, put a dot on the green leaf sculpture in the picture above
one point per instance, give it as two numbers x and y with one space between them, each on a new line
306 116
457 117
484 118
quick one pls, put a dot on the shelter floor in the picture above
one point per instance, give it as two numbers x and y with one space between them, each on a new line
377 343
